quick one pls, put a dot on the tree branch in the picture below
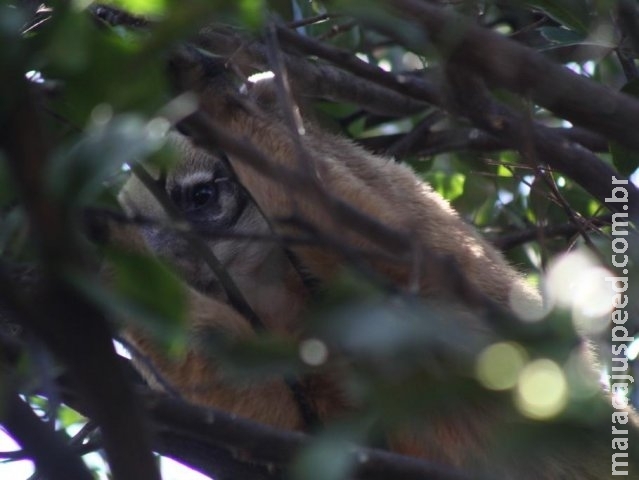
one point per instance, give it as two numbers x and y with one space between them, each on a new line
538 144
72 328
312 79
53 458
505 63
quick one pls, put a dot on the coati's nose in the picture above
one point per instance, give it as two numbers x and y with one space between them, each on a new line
160 240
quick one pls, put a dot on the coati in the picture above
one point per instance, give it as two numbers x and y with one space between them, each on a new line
220 192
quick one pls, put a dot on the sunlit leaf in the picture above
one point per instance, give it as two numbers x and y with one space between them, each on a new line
252 12
68 416
449 186
503 171
141 7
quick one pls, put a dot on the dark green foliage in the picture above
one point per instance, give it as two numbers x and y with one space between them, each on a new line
103 103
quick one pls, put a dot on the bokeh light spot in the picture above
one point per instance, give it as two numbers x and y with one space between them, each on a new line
313 352
542 390
577 282
499 365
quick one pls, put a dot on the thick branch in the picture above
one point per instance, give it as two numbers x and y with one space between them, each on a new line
468 139
269 446
72 328
312 79
410 85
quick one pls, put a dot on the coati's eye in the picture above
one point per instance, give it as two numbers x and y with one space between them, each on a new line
201 195
208 201
195 198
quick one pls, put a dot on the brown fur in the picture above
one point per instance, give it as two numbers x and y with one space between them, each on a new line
387 192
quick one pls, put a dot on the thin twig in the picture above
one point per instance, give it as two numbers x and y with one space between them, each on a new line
337 30
309 20
416 136
515 239
572 215
290 111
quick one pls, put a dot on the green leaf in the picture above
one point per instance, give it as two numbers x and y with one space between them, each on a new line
145 293
449 186
14 58
484 211
149 283
68 417
104 67
68 44
346 287
503 171
12 52
7 193
13 229
626 161
306 8
252 12
77 174
258 358
329 457
539 200
562 36
396 332
141 7
574 14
